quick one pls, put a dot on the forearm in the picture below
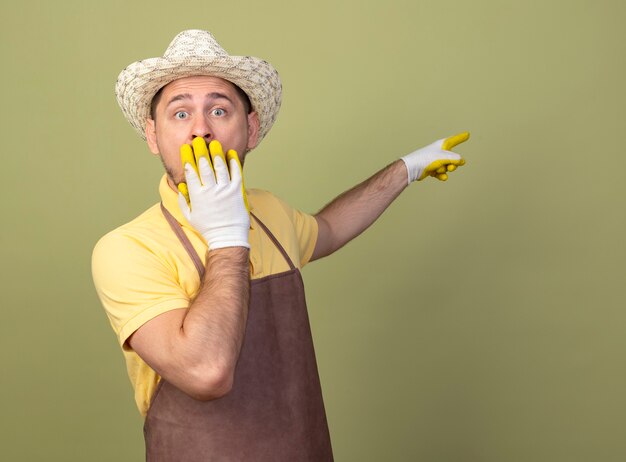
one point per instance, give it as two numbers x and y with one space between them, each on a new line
196 348
213 328
355 210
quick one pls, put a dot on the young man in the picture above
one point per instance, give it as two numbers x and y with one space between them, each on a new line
203 290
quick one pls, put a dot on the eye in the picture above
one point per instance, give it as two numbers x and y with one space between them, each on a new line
219 112
181 115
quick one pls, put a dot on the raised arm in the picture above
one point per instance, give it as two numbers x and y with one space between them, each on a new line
196 348
355 210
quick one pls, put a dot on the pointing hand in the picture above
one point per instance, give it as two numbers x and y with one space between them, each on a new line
435 160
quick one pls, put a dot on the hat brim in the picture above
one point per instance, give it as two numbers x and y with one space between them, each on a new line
139 82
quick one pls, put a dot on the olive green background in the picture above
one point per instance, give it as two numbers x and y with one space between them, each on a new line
480 319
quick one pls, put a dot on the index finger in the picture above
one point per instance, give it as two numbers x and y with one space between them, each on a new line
452 141
236 171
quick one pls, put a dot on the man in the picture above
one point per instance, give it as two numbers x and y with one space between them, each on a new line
204 290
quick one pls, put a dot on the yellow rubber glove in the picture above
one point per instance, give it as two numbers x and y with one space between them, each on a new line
213 198
435 160
191 155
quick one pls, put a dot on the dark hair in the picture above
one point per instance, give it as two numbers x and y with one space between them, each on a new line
242 94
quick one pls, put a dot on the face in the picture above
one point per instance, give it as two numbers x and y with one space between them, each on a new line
208 107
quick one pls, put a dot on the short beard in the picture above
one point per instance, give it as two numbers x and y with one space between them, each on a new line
170 174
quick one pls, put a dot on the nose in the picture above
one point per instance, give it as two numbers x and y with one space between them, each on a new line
201 129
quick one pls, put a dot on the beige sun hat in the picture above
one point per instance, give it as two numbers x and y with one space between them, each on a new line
196 52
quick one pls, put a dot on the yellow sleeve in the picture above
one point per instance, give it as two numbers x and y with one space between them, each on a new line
134 283
305 227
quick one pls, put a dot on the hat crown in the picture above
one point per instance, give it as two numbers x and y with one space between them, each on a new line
194 43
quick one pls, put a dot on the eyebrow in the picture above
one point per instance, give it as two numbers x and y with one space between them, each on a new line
185 96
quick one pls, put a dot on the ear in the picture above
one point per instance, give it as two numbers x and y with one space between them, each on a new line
253 130
151 136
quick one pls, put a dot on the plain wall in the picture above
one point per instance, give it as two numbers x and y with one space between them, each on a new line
481 319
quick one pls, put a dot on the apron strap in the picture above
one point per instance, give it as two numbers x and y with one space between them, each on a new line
275 241
184 240
182 237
